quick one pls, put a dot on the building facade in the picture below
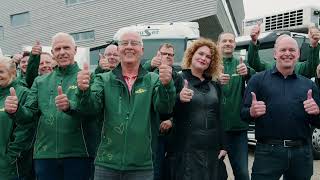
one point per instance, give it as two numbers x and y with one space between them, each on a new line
93 22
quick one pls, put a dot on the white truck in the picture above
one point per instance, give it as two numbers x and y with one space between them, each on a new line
179 34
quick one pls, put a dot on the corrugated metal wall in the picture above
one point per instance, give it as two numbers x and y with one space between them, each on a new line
105 17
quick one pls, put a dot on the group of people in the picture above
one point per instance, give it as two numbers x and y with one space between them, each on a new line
151 121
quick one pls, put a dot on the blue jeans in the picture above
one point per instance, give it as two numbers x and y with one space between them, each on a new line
64 169
238 154
272 161
102 173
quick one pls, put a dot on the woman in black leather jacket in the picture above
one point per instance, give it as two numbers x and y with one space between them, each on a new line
198 138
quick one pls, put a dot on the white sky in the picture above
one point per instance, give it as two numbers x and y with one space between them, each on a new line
258 8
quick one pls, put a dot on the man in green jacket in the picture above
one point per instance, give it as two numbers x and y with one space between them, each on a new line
62 147
129 97
110 58
233 80
306 68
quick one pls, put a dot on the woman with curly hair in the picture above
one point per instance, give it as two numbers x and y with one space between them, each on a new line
197 137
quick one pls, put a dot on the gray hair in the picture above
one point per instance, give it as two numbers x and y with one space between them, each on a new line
284 36
62 34
10 65
131 32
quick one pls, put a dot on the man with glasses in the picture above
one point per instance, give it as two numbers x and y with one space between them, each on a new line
165 54
110 59
129 98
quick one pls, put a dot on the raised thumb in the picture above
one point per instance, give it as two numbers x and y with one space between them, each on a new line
85 66
309 95
241 60
186 84
60 90
12 92
254 97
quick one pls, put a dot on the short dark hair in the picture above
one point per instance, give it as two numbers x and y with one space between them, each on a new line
166 45
112 43
25 53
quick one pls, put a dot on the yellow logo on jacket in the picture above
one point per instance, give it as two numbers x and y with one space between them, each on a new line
73 87
140 90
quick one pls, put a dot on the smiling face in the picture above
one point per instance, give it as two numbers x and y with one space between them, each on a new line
286 53
46 64
130 48
201 58
63 50
227 44
6 74
24 64
112 54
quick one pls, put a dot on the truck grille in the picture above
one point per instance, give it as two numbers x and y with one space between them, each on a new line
284 20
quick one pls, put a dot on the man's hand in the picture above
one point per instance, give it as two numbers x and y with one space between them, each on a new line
83 78
165 73
11 102
242 69
255 32
310 106
104 64
165 126
314 36
186 93
156 61
37 48
62 101
224 78
258 108
222 154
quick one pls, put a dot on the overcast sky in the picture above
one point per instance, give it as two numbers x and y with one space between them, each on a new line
257 8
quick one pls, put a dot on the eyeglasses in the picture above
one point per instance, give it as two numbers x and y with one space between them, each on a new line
166 54
111 54
126 43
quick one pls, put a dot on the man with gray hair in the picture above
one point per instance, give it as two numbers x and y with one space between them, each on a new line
61 149
129 98
283 105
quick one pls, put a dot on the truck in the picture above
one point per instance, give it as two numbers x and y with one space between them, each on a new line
179 34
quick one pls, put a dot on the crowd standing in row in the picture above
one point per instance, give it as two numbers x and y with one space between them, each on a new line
148 121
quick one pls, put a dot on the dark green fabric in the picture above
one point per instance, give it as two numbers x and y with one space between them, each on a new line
14 135
127 134
32 69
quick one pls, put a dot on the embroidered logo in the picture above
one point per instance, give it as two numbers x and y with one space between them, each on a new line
72 87
2 110
140 90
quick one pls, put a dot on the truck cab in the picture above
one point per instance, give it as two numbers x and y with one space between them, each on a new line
179 34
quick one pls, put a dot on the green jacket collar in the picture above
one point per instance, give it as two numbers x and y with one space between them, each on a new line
118 72
70 69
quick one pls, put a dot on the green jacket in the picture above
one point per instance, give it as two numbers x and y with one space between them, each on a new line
306 68
232 94
32 69
99 70
126 135
59 134
21 79
13 134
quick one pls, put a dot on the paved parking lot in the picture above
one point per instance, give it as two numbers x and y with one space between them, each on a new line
316 167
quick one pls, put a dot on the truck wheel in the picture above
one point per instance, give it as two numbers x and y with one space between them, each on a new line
316 143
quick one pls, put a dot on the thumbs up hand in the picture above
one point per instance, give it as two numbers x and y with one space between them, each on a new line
165 73
62 101
242 69
258 108
36 49
83 78
11 102
186 93
156 61
255 32
310 106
